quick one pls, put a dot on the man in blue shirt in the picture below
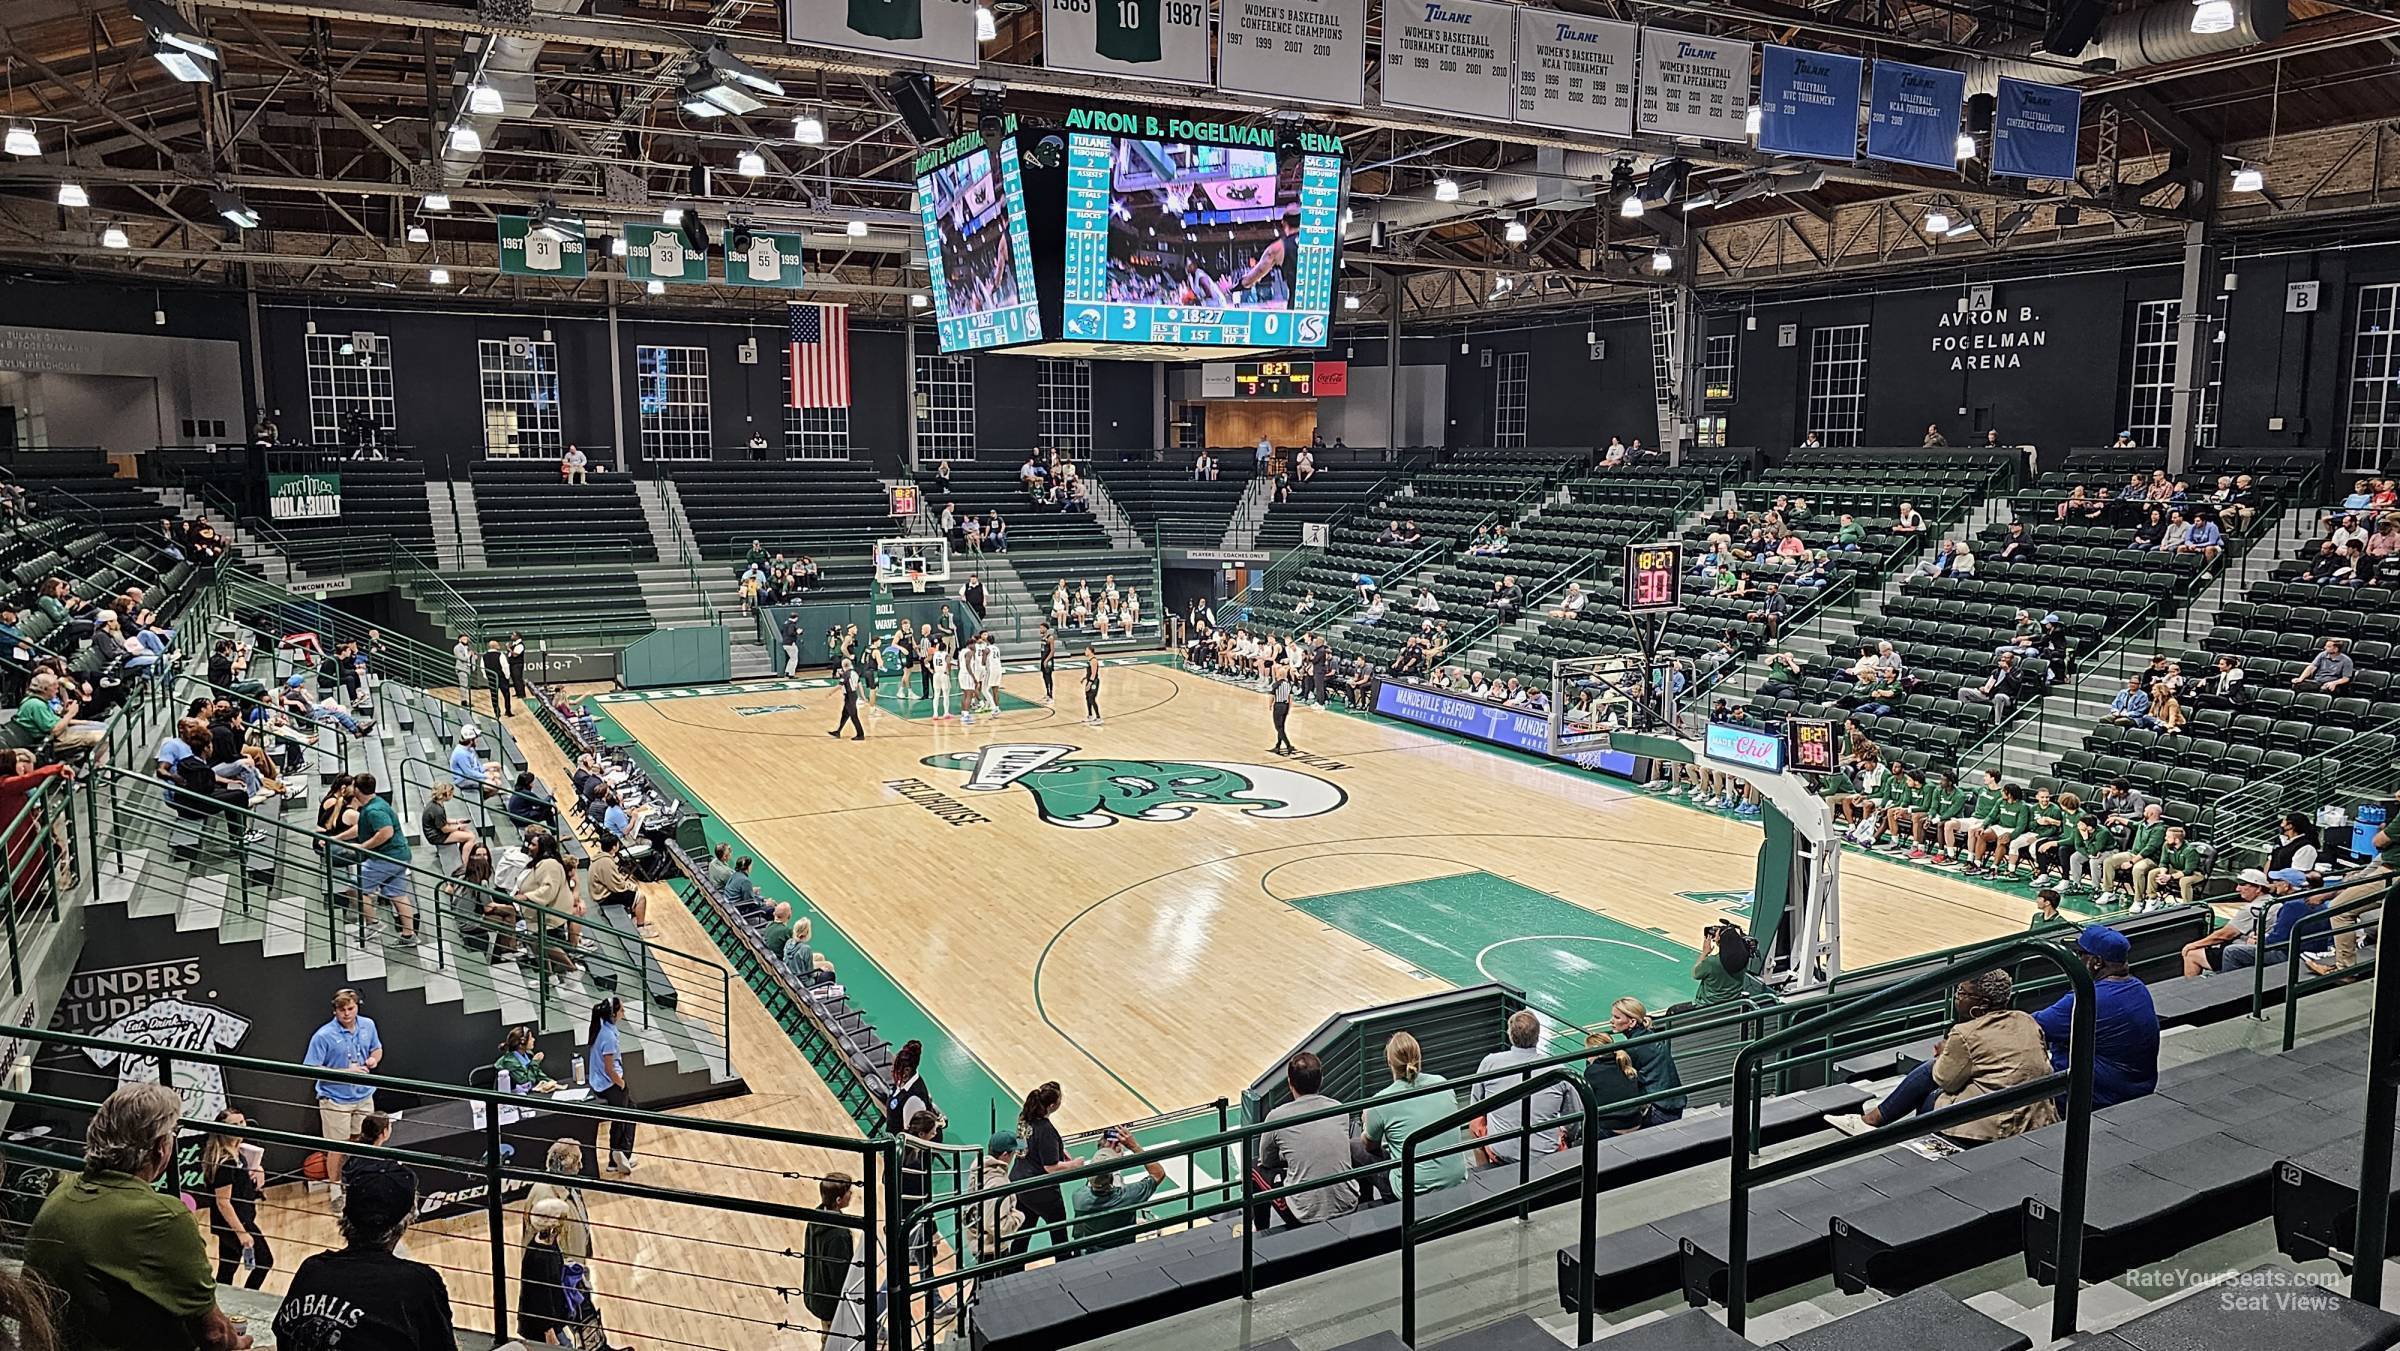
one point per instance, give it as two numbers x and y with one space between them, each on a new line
2132 703
2125 1025
2205 538
348 1041
466 763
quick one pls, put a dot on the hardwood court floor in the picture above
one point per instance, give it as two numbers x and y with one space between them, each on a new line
1152 911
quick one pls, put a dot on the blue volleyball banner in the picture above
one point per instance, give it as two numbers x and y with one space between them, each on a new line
1808 103
2035 129
1913 114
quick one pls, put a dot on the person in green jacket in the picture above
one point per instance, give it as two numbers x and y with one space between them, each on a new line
1893 798
2182 866
1942 800
1723 971
2045 819
1960 834
1389 1124
1991 843
2139 858
2045 910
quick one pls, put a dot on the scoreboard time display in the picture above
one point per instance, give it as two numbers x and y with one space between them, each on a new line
1812 745
1274 379
1654 577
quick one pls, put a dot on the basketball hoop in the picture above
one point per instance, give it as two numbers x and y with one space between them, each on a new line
916 583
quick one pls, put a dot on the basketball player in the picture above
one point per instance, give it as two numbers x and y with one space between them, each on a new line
968 670
1091 687
1282 697
937 675
850 687
1049 665
989 682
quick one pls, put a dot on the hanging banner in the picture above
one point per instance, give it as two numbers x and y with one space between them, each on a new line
1311 50
1912 114
771 261
1808 103
555 250
304 497
1150 39
1575 73
1694 85
660 253
2035 130
921 30
1450 56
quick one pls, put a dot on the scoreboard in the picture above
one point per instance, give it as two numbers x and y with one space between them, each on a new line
1274 379
1653 577
1812 745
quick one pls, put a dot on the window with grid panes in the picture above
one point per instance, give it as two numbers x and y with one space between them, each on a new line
2372 432
343 379
520 397
813 433
672 386
1709 431
2150 379
1066 405
945 406
1837 383
1717 365
1508 399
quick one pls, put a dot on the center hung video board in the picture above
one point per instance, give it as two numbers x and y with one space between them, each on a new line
972 202
1199 244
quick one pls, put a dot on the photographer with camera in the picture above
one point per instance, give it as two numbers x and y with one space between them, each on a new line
1106 1207
1723 970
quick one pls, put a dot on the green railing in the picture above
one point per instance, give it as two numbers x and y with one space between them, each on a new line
2371 1242
1261 590
2251 811
397 655
2339 913
2114 653
1749 1171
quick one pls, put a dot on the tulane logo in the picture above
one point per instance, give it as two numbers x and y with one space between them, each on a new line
1087 794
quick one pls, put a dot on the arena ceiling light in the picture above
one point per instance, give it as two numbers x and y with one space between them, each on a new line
1662 261
174 43
1350 302
1960 230
2212 16
724 83
23 142
808 129
484 99
114 238
1753 118
987 28
182 64
72 194
236 212
418 234
1445 189
856 229
656 288
1965 148
440 276
751 165
1514 231
1936 221
1705 197
465 139
672 215
2249 178
437 201
919 301
617 246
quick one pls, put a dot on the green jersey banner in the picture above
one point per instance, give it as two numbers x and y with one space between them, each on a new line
304 497
1152 39
660 253
911 30
772 261
554 250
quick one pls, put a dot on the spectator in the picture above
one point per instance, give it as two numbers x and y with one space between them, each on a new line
1933 435
1850 536
988 1229
46 717
2297 919
1106 1206
2045 907
2330 670
1300 1153
2131 704
2125 1023
496 675
2085 846
1988 848
2018 547
234 1184
2204 538
544 1315
1991 1047
348 1041
519 1070
1723 969
801 959
2182 867
826 1252
605 1075
1500 1128
2007 685
440 828
574 467
2138 859
2295 844
612 887
364 1295
740 894
1653 1062
2046 824
528 805
1389 1123
2206 955
383 866
1044 1152
1909 522
122 1260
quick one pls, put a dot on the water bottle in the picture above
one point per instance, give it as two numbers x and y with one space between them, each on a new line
579 1079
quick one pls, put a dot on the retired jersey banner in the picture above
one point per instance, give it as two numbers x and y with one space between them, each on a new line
1149 39
2036 129
553 250
1912 114
1575 73
771 261
921 30
1808 103
1450 56
660 253
1694 85
1311 50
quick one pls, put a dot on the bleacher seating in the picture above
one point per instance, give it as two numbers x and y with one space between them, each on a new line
1332 492
833 511
979 487
531 515
581 603
379 498
1162 493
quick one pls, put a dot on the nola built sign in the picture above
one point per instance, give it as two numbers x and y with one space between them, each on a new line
304 497
1995 339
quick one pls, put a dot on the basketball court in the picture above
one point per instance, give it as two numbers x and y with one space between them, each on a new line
1152 911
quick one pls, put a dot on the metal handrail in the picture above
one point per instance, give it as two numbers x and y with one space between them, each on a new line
2260 801
2074 1170
2294 988
2116 644
2371 1240
2268 905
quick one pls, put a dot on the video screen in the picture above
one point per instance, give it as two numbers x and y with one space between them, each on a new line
1201 244
975 247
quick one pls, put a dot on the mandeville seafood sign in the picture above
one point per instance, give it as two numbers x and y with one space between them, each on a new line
304 497
1996 339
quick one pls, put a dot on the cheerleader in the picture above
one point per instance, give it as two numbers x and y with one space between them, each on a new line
1091 687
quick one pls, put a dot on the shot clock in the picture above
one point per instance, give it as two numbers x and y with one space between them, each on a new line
1812 745
1653 577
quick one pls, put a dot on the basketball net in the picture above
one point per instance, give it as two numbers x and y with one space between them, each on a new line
916 583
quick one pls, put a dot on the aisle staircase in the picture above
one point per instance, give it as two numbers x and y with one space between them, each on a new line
1011 611
1111 517
1241 529
457 532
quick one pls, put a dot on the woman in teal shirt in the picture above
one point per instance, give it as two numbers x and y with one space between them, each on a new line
1389 1124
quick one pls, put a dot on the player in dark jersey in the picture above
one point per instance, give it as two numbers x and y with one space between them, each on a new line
898 20
1049 665
1128 30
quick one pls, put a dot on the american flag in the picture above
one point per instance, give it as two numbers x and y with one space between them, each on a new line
820 356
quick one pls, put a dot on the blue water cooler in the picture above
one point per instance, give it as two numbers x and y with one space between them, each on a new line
2370 819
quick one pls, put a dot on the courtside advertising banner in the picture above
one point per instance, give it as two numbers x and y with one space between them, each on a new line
1311 50
1450 56
1912 114
1148 39
1694 85
1808 103
1575 73
2035 129
921 30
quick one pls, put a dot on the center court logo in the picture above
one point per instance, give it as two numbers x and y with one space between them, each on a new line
1088 794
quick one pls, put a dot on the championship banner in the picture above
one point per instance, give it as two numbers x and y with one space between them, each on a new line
1450 56
2035 130
1912 114
554 250
921 30
1694 85
1311 50
1149 39
304 497
660 253
1575 73
1808 103
772 261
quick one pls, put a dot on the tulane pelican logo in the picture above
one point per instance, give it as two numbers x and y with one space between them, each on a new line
1087 794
